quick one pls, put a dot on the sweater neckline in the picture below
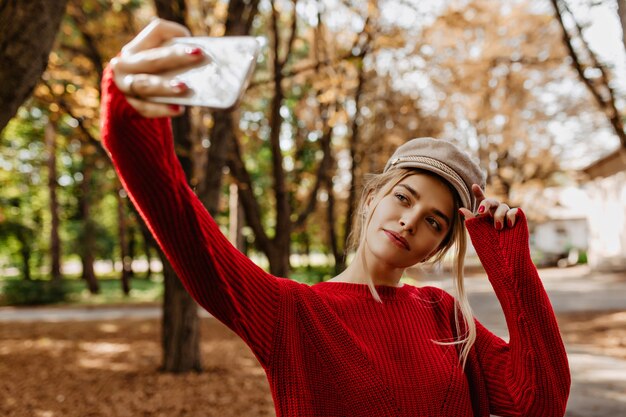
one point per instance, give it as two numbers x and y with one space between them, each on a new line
362 290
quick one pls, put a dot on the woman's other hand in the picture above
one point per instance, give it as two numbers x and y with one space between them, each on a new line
503 215
138 67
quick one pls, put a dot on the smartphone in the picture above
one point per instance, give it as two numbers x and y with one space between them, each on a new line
220 80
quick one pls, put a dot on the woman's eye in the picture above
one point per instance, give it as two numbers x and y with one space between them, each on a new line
434 223
401 197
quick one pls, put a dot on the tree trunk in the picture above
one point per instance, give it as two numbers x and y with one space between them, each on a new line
180 330
332 235
181 325
25 251
235 224
279 261
122 229
621 12
148 243
132 249
222 138
282 237
307 251
55 242
28 32
355 158
87 237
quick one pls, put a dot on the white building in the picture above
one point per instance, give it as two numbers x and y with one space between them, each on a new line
606 219
557 219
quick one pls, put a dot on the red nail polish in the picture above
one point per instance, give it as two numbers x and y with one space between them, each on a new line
481 209
193 51
174 108
178 86
498 225
510 223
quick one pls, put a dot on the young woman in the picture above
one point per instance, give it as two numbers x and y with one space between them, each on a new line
361 344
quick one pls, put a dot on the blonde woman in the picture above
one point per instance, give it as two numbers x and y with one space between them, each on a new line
361 344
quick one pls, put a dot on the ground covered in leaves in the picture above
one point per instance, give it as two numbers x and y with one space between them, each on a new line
602 333
110 369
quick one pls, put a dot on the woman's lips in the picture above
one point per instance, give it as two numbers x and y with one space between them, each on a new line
397 239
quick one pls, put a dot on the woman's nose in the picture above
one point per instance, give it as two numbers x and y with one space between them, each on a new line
408 223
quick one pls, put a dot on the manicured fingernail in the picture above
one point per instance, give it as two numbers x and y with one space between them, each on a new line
498 225
481 209
193 51
510 223
175 107
178 86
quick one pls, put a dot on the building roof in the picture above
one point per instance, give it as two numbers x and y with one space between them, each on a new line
609 165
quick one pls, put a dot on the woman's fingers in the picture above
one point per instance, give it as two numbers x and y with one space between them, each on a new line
503 215
466 214
488 206
511 216
150 109
153 35
157 60
146 85
478 192
499 216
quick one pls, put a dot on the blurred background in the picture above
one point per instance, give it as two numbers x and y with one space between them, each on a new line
535 90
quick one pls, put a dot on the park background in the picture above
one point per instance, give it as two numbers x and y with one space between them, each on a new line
535 90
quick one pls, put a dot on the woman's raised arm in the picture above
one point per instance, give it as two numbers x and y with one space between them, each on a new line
529 375
138 136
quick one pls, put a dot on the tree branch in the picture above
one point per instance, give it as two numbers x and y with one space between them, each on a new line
252 210
607 105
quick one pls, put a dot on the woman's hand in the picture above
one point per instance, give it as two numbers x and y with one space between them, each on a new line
502 214
136 70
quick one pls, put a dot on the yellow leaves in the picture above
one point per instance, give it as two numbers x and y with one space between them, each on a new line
338 117
58 89
392 41
328 96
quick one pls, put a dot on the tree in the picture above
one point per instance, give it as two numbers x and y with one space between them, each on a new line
590 70
180 326
621 12
87 230
28 32
55 241
501 89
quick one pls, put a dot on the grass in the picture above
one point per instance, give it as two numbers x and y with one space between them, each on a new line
76 292
142 290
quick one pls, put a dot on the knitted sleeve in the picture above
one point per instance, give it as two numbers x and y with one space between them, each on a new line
530 375
219 277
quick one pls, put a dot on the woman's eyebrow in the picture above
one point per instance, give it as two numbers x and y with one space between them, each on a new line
411 190
443 216
416 195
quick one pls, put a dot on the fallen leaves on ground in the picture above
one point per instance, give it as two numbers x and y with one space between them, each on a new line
110 368
600 332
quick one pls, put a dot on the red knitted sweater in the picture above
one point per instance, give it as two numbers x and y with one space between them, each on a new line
330 349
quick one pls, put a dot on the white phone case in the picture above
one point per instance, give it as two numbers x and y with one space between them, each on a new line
219 81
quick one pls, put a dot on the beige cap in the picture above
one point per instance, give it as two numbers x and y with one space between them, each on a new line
444 159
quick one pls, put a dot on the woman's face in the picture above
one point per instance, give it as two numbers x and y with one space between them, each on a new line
411 222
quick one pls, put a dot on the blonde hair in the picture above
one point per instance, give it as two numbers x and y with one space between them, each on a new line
376 187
